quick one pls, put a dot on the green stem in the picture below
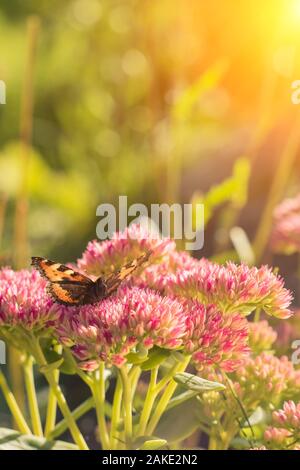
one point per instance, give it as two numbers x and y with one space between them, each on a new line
165 398
149 402
115 417
166 379
13 406
98 390
62 426
257 315
213 443
86 379
134 376
31 396
50 376
51 408
127 403
52 402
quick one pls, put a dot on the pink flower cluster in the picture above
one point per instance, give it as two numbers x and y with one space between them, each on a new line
261 336
158 276
286 222
136 319
234 288
111 329
214 338
288 417
267 379
285 430
176 303
25 302
101 258
276 438
264 380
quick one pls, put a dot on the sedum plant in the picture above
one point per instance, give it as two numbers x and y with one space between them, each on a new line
173 342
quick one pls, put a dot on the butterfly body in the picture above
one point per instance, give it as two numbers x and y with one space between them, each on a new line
69 287
82 293
97 291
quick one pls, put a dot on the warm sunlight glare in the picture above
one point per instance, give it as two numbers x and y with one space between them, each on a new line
296 9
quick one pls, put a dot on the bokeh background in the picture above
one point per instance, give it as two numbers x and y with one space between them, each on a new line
173 101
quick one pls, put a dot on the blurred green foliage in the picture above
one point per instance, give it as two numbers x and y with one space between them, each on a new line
110 113
233 190
136 98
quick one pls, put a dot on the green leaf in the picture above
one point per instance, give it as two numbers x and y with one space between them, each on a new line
156 357
134 358
67 367
184 106
255 433
137 357
13 440
233 190
259 416
181 398
179 423
152 443
240 443
197 384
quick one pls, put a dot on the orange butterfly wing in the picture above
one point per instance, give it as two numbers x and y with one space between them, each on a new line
65 285
57 272
72 288
113 281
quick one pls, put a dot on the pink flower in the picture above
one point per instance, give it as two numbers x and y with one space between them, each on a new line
285 237
138 319
214 338
261 336
276 437
103 258
24 301
126 322
234 288
264 381
267 379
285 430
289 416
157 275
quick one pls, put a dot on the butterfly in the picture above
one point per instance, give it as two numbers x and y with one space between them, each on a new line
69 287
